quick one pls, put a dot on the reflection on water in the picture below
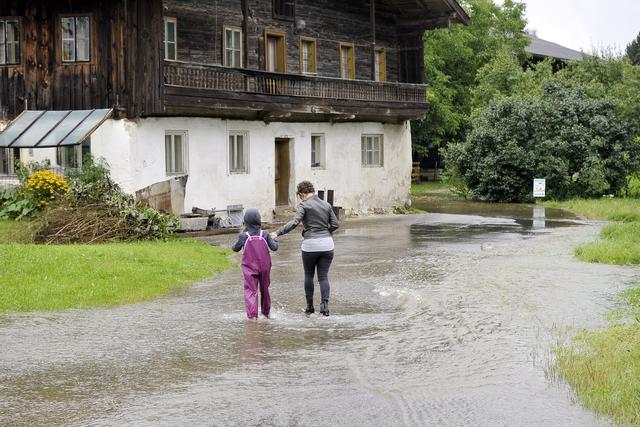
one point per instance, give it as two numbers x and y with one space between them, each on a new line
493 210
539 217
439 319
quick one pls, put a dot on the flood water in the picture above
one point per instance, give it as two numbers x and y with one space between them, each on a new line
447 319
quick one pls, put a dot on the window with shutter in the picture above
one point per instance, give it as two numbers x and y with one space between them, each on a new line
381 65
347 61
308 56
275 52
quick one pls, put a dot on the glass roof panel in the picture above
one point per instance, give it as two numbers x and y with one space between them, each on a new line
16 127
87 127
64 128
39 129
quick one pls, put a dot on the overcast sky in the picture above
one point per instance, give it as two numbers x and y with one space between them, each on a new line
585 24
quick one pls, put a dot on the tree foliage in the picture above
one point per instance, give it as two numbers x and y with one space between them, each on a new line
603 74
633 51
504 76
578 143
453 59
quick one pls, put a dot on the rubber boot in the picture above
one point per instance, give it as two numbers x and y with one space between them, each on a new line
309 310
324 307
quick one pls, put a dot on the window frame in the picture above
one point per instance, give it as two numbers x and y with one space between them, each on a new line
380 66
282 48
165 42
351 58
10 154
232 28
61 159
245 152
313 57
321 164
75 61
364 158
4 20
275 13
171 170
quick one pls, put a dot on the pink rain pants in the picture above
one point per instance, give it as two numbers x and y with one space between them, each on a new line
256 268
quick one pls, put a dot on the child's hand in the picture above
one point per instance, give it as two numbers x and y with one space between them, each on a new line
274 236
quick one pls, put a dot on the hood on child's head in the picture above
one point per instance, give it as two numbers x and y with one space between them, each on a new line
252 220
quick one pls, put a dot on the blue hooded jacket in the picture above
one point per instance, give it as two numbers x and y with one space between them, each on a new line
252 224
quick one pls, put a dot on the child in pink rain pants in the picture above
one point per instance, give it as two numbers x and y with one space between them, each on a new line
256 263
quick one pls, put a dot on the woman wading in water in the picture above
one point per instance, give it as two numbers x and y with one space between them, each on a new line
319 222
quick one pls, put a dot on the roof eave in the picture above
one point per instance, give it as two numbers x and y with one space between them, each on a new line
460 15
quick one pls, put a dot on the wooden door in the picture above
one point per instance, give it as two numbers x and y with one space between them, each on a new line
282 171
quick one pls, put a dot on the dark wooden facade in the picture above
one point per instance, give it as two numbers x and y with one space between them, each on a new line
127 69
123 70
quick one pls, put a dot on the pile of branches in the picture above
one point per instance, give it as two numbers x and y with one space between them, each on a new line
96 210
81 221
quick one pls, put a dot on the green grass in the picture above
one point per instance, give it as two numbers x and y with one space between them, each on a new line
14 231
620 241
425 188
603 366
619 244
632 297
616 209
408 211
57 277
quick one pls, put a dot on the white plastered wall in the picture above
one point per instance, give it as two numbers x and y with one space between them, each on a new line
135 153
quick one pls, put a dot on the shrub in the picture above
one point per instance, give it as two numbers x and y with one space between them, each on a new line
578 144
15 203
632 189
92 181
44 186
38 187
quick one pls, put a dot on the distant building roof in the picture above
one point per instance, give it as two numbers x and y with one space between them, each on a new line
546 49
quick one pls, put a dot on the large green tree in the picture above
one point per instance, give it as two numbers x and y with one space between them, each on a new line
452 60
606 75
578 143
633 51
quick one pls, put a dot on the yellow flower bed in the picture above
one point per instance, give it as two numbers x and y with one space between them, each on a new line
46 185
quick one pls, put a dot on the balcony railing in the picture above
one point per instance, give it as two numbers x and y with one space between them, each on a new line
211 77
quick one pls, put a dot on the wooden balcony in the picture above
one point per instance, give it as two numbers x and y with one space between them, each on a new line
208 90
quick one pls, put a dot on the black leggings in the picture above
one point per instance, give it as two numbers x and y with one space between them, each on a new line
320 261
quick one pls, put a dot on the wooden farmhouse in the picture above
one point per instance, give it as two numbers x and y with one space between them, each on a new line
246 97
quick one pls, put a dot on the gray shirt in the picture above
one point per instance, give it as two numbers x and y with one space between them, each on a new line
317 218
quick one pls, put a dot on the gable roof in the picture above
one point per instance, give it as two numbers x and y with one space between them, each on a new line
546 49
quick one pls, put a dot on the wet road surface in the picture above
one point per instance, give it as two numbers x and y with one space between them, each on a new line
438 319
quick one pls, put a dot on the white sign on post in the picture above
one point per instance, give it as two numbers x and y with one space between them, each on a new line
539 186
